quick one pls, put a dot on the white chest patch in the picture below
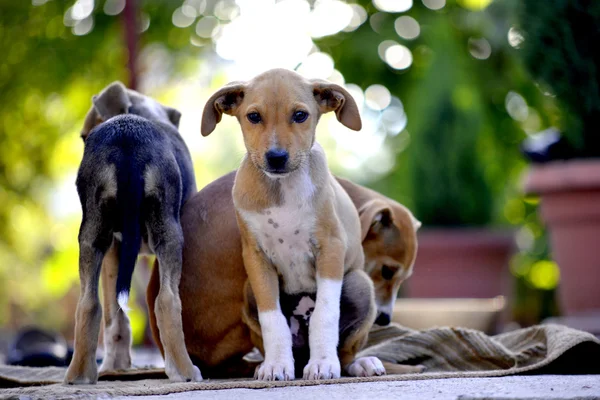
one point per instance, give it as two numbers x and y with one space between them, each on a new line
285 233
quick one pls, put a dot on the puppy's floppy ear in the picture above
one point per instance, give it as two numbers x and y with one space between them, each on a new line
174 115
91 120
332 97
113 100
375 215
225 101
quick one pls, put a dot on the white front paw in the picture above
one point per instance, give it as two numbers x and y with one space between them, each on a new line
366 366
275 371
323 368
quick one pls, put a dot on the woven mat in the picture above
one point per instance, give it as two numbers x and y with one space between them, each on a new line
446 352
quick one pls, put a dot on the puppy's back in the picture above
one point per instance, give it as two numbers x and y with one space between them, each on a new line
132 169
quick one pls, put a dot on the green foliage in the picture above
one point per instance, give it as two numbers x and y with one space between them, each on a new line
48 75
462 161
561 49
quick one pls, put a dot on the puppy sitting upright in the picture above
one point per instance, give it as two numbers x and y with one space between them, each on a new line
300 231
135 175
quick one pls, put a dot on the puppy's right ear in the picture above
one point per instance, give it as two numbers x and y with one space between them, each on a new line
226 100
375 216
91 120
113 100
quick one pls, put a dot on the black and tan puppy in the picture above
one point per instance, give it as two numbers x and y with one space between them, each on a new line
135 175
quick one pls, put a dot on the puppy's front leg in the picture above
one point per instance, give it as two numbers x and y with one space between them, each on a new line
323 331
277 338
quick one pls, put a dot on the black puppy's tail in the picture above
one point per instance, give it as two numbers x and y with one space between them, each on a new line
130 193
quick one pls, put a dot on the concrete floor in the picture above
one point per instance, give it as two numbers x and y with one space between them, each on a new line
512 387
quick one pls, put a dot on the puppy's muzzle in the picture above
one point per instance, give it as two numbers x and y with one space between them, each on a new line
383 319
277 160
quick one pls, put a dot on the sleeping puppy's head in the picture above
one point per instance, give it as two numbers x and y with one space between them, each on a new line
389 240
278 112
116 99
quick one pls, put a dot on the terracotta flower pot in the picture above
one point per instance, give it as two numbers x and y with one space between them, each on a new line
570 207
461 262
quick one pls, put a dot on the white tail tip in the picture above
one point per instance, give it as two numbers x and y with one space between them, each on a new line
123 299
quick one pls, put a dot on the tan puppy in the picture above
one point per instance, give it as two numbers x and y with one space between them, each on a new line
212 288
300 231
389 243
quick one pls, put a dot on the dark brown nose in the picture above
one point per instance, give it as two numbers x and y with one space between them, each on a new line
277 160
383 319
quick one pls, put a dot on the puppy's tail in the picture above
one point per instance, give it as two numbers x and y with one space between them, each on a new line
130 193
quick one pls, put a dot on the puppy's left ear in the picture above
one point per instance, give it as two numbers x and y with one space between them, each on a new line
113 100
375 216
332 97
174 115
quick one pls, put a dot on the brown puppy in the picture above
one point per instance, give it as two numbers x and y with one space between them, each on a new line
212 290
300 232
315 180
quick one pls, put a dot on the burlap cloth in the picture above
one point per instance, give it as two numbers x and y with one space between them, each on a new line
446 352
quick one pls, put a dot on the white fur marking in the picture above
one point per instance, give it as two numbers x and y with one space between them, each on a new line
276 335
289 230
387 308
325 320
305 308
123 299
323 332
277 339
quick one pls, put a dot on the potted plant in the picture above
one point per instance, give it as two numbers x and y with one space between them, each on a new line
561 51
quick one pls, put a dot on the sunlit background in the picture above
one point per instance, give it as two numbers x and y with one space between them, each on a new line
444 98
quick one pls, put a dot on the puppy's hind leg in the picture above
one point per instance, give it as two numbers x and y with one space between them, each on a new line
167 239
93 243
357 315
117 329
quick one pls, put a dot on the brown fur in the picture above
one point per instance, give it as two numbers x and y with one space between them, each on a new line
212 292
274 98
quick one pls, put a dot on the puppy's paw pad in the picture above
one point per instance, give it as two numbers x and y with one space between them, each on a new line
326 368
366 366
275 371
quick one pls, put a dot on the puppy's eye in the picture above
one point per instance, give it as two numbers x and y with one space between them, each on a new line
387 273
299 117
254 117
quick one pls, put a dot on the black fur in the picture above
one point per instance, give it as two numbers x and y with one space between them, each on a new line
132 144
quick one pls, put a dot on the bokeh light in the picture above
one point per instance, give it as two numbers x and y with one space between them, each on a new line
407 27
393 6
434 4
398 56
480 48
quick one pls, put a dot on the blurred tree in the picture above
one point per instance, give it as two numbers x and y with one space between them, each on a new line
469 103
463 158
466 95
561 50
56 55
